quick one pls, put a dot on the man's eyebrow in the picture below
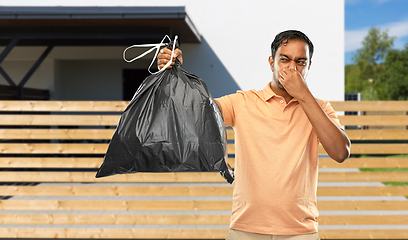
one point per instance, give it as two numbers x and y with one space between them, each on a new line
286 56
302 59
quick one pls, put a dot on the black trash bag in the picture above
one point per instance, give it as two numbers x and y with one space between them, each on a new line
172 124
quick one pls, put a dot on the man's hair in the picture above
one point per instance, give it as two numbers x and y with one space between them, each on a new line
284 37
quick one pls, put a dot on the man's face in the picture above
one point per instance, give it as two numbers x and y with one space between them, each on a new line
291 55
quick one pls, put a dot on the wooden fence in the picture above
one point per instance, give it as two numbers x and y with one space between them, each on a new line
50 151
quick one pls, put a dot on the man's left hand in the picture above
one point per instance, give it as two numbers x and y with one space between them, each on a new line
293 82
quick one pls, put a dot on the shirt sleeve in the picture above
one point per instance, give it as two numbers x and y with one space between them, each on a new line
328 109
230 106
331 113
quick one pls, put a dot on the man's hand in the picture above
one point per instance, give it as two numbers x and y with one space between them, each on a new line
293 83
164 57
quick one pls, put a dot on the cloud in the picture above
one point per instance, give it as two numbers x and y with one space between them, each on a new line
353 38
398 29
383 1
354 2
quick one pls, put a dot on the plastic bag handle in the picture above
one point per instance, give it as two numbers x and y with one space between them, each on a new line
154 46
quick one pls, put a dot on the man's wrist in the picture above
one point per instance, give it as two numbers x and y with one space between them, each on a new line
306 97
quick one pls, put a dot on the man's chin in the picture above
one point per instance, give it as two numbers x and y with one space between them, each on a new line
281 86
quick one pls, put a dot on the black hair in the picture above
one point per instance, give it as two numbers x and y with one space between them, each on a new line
290 35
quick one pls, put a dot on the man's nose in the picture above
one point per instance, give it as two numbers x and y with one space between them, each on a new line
292 65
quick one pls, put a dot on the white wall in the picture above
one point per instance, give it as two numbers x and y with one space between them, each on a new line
73 73
240 34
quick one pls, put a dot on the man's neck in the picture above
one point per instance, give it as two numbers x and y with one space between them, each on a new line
281 92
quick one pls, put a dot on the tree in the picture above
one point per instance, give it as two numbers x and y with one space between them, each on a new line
364 75
375 47
353 79
395 74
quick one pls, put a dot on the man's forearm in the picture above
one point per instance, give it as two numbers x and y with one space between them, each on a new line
334 139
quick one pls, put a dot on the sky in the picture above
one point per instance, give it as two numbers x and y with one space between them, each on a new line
361 15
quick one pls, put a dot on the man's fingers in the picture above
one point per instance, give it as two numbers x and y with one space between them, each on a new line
165 51
281 75
177 52
164 57
162 64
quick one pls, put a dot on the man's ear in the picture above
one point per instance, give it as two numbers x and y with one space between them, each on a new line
270 60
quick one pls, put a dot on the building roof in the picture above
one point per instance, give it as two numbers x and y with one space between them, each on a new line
110 26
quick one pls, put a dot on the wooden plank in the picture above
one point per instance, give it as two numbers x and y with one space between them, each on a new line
90 177
230 134
377 134
362 205
363 234
323 163
375 120
165 191
231 162
164 233
185 219
57 162
380 134
370 105
363 220
50 162
62 134
115 205
379 148
100 148
68 106
112 106
361 134
231 148
63 148
112 233
165 205
375 148
54 148
357 163
363 191
59 120
361 148
123 219
162 191
365 163
363 177
59 148
46 176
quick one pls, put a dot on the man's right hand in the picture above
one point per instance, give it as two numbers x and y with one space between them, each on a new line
164 57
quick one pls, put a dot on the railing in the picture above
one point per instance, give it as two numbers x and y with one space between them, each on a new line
50 151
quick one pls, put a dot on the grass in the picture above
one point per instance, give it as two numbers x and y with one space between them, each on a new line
395 183
389 170
386 156
383 169
398 156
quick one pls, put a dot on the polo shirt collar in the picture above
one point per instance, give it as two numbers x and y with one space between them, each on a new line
268 93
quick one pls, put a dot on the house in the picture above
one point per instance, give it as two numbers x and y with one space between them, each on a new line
74 51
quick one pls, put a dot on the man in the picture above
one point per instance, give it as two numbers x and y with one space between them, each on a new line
277 132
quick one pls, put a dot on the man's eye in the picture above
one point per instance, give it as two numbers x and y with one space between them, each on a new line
284 60
301 63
